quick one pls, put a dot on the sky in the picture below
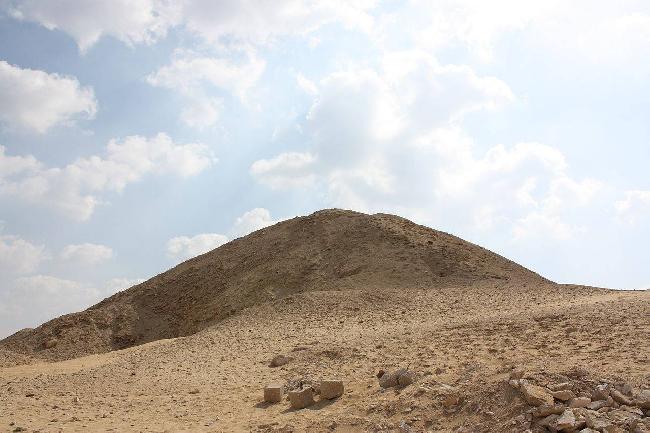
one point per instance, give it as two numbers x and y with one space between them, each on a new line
136 134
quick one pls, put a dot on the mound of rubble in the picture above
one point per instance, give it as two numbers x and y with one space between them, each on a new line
559 404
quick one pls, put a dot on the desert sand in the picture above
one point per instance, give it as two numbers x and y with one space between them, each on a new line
342 295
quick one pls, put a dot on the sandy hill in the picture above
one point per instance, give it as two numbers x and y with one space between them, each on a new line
490 346
328 250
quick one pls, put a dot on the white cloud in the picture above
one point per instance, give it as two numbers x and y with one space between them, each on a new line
197 77
258 22
35 100
18 256
87 253
184 247
131 21
634 207
252 220
392 141
285 170
76 189
146 21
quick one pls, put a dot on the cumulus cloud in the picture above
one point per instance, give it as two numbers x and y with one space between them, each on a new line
185 247
634 207
35 100
196 77
18 256
391 140
252 220
76 189
256 22
131 21
87 253
146 21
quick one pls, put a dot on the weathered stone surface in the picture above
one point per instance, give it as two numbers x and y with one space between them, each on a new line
52 342
579 402
302 398
643 399
620 398
330 389
595 405
560 386
549 420
566 421
563 395
601 392
546 410
405 377
279 360
536 395
388 380
273 393
597 422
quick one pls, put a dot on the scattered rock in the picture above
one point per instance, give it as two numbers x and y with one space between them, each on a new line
388 380
601 392
536 395
273 393
194 391
302 398
279 361
620 398
330 389
563 395
579 402
546 410
595 405
405 377
643 399
566 421
49 344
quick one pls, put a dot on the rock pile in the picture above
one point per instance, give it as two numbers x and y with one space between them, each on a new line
401 377
581 406
301 393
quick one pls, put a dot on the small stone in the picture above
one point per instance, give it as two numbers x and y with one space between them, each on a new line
302 398
549 420
330 389
601 392
405 377
273 393
514 383
579 402
546 410
52 342
560 386
563 395
451 400
566 421
643 399
595 405
536 395
588 430
388 380
279 361
620 398
194 391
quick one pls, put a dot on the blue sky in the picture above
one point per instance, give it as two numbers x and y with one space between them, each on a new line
136 134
